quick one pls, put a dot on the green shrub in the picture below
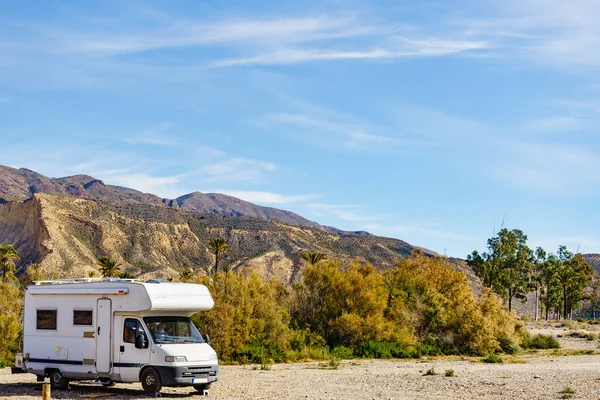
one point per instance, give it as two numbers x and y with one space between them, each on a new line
343 352
333 363
449 372
261 351
540 342
493 359
372 349
567 393
430 372
508 345
318 353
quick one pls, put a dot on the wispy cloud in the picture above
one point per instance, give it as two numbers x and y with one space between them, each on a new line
158 136
404 48
4 99
575 244
355 135
563 123
237 169
267 41
417 231
179 33
346 212
267 197
163 186
563 34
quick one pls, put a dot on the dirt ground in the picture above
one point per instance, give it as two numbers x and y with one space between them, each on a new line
539 375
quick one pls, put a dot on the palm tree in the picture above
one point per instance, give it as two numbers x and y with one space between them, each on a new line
125 275
8 255
186 275
218 246
313 258
109 268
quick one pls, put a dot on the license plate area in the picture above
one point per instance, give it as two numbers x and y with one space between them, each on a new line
200 380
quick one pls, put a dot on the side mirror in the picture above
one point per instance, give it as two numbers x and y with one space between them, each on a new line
207 339
141 342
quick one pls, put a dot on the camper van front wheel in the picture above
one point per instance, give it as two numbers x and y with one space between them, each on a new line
57 380
201 388
151 380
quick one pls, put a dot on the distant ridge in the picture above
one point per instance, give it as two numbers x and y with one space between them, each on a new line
21 184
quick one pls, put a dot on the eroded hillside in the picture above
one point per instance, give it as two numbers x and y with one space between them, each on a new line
67 234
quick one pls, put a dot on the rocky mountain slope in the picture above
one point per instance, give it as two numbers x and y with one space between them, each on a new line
593 260
21 184
66 234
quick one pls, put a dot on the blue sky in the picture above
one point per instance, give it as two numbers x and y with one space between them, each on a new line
429 121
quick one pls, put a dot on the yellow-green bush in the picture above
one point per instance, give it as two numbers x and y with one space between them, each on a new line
421 306
10 322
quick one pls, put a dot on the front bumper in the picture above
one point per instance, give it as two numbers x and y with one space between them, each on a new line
188 375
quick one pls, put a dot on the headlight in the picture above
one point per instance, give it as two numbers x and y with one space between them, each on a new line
212 357
175 359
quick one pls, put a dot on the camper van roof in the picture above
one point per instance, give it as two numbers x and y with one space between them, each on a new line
152 295
83 280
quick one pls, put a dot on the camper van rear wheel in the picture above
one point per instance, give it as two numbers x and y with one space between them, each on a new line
151 381
107 382
57 380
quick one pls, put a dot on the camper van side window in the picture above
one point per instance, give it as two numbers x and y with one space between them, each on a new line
46 319
82 317
130 330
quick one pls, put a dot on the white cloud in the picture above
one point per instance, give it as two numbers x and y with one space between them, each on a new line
163 186
159 136
266 197
563 34
408 230
189 33
4 99
354 135
272 41
575 244
409 48
560 124
346 212
237 169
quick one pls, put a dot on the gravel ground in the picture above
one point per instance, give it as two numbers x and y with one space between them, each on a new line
533 376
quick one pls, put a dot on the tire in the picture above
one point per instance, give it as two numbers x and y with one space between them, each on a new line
202 387
108 383
57 380
151 382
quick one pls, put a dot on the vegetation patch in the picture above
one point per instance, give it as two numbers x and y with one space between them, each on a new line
540 342
567 393
493 358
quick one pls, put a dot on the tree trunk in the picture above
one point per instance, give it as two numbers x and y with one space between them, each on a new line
216 262
510 296
565 309
537 306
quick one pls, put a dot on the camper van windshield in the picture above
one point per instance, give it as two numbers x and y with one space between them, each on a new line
173 330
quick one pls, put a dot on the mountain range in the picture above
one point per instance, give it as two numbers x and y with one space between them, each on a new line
21 184
66 223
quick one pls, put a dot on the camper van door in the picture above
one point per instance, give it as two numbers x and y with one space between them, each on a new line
130 358
103 325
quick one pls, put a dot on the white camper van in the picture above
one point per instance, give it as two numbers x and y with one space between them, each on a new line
117 330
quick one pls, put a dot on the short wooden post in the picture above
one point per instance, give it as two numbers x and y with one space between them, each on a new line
46 391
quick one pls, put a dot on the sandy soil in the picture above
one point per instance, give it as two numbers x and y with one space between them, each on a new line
542 375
